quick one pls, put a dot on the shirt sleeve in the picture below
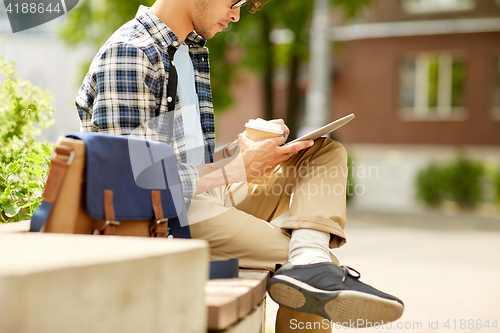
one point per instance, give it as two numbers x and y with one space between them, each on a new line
118 90
190 179
118 96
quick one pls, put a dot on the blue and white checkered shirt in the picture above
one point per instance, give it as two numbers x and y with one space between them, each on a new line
127 85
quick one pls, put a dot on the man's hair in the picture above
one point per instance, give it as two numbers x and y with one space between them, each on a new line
256 5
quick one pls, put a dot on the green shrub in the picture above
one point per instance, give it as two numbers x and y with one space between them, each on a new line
23 161
430 185
460 181
463 183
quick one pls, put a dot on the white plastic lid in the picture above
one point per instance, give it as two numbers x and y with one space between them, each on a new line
265 126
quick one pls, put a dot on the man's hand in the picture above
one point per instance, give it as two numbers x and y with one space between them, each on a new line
261 157
253 160
280 122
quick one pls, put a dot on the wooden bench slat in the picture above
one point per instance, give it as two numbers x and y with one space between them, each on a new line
229 300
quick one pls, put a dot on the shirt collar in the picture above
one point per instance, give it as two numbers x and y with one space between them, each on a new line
194 39
161 33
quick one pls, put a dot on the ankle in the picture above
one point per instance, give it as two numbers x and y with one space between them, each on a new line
309 247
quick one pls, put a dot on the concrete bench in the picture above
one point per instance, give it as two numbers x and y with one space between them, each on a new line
77 283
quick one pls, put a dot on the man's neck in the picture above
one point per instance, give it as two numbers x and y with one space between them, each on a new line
176 15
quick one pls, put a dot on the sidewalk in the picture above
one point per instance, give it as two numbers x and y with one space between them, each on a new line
427 220
445 268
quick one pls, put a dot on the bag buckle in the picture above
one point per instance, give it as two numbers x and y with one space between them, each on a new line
108 228
70 158
160 228
61 154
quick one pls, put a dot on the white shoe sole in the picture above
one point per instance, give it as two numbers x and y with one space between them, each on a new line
343 306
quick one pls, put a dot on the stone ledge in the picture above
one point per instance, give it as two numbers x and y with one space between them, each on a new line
78 283
13 227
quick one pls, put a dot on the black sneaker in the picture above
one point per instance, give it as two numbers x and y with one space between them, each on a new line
332 292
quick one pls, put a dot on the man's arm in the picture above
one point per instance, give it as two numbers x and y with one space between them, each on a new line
251 161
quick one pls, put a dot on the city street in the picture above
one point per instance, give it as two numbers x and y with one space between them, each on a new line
448 277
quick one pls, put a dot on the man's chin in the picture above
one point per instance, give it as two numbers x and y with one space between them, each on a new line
206 35
209 36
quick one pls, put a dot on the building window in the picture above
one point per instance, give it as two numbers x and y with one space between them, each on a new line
496 89
433 6
432 87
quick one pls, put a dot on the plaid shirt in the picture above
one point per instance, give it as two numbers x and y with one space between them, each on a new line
127 85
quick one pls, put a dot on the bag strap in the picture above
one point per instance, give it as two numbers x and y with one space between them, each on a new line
59 164
160 227
109 227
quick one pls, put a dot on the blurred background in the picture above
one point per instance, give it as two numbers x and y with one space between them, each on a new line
422 78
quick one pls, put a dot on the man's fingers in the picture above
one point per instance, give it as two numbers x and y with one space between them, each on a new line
285 129
278 121
294 148
279 140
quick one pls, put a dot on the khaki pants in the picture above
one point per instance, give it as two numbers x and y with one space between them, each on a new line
234 219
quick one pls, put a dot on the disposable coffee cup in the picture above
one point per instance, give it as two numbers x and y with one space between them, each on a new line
258 130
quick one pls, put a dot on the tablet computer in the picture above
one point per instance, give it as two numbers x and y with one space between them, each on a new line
325 129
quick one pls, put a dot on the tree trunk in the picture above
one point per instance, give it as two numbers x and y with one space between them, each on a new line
292 108
269 68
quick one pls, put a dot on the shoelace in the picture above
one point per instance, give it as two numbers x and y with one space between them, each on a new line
346 270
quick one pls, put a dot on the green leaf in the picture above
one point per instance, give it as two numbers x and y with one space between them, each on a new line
27 205
46 149
38 170
33 185
35 171
35 158
13 166
5 195
11 210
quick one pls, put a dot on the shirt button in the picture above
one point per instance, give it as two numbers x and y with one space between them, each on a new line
170 236
163 43
169 99
175 43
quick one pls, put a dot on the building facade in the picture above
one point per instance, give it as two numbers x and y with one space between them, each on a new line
423 78
426 72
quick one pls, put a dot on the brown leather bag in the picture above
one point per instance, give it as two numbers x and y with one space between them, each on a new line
66 199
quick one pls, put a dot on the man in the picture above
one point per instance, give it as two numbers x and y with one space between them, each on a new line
231 200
